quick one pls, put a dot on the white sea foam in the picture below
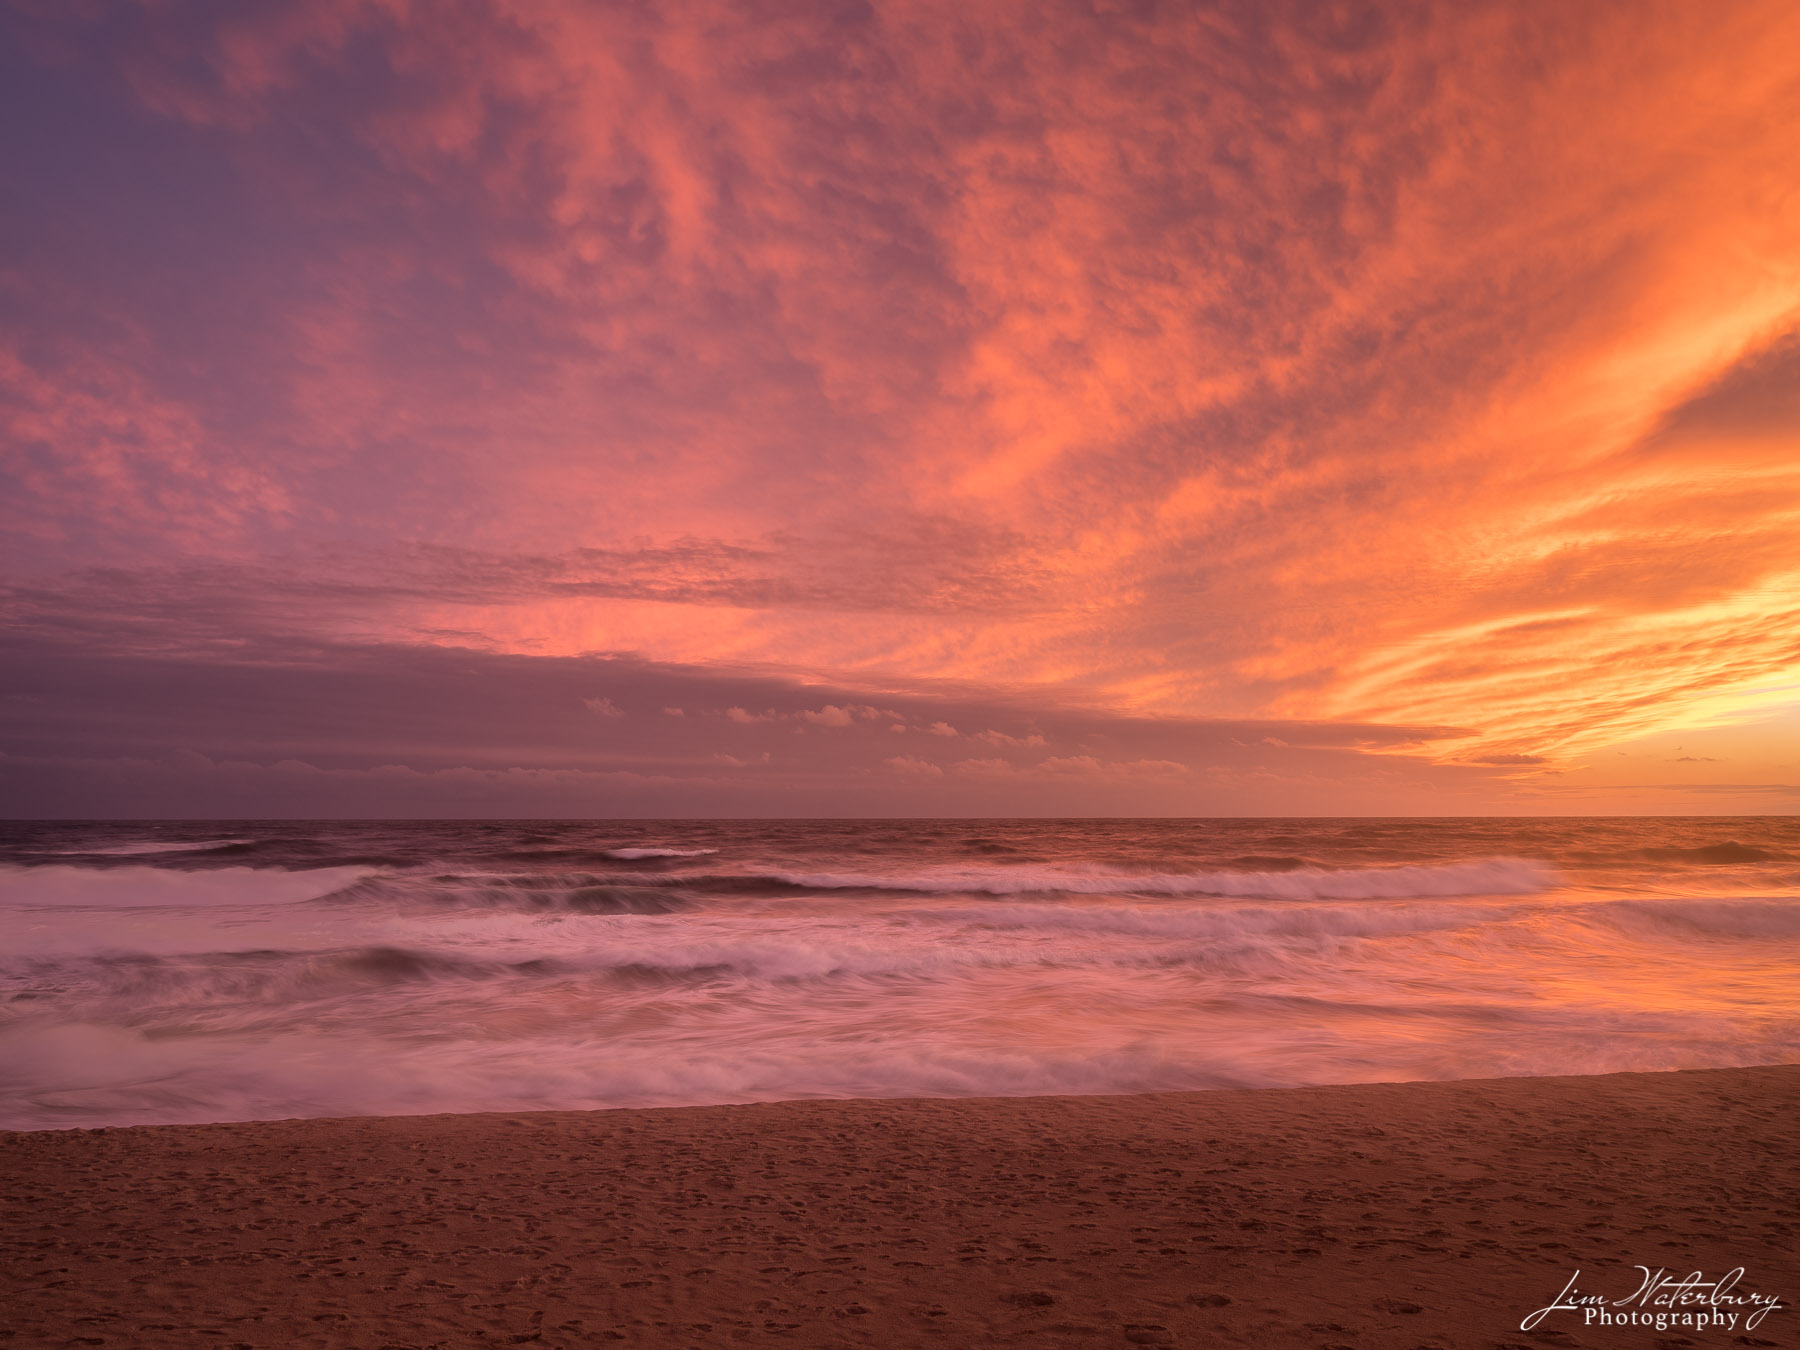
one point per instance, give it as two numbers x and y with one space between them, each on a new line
1494 876
87 1074
633 854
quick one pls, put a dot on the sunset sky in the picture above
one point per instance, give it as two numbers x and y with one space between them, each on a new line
551 407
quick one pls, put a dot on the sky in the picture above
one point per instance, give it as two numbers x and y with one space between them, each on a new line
1083 407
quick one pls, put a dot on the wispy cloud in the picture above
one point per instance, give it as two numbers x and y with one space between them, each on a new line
1308 366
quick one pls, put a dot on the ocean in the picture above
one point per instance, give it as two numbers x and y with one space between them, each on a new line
192 971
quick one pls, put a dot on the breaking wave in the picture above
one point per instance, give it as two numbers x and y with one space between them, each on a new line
1746 918
62 885
307 968
1726 853
1496 876
147 849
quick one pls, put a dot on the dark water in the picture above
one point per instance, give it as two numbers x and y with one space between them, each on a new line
245 970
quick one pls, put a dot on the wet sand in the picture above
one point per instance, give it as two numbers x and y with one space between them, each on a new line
1402 1215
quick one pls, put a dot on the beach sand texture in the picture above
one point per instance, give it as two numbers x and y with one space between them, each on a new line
1391 1215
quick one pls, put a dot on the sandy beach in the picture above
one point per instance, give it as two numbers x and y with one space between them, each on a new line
1403 1215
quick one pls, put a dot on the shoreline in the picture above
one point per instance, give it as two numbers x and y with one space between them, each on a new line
1370 1215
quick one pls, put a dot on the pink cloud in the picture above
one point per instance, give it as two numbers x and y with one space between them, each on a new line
1265 364
912 764
1000 738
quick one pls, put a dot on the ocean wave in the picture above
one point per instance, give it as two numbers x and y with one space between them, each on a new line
144 849
621 934
576 892
1731 852
592 857
132 987
502 964
1236 923
1492 876
86 1075
294 855
66 885
1736 918
639 944
270 854
648 892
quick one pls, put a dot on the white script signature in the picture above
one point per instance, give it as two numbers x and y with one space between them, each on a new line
1664 1301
